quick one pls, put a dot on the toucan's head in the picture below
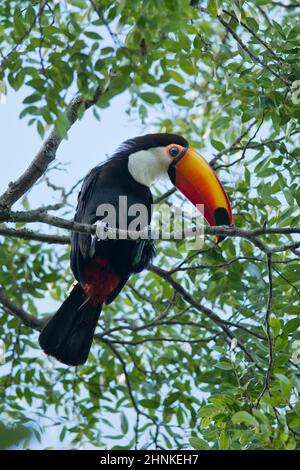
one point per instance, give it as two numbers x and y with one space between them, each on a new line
155 155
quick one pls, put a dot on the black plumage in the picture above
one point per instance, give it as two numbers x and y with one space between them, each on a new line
104 265
103 185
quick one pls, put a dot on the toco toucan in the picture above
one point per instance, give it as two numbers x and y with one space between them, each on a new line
102 267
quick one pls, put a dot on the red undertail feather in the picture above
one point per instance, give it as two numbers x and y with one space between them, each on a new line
100 281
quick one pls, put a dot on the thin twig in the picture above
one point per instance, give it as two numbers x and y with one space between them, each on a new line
268 330
35 236
18 312
254 57
24 35
205 310
44 157
253 33
232 146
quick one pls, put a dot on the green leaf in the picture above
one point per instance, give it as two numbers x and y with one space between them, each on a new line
224 440
198 443
187 67
32 98
150 404
243 417
25 203
212 7
92 35
176 76
78 3
224 365
41 129
174 90
124 423
150 97
217 144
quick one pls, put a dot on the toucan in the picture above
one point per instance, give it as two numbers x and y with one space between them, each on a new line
102 267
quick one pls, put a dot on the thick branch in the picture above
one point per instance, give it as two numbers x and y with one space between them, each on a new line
231 231
252 235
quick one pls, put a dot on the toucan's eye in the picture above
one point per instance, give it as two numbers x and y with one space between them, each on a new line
173 152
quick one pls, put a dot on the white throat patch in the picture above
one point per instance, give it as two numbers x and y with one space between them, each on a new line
146 166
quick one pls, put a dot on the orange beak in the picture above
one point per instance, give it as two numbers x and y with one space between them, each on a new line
194 177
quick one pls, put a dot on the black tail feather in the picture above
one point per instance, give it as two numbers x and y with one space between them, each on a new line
69 333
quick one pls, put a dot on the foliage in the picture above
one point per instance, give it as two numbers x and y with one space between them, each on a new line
12 436
200 350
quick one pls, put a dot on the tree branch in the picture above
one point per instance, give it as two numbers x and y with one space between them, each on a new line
254 57
252 145
18 312
232 146
44 157
268 330
128 382
35 236
287 6
205 310
26 33
256 145
245 146
245 48
253 33
232 231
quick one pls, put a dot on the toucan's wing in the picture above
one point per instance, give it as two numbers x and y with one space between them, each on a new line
103 185
86 202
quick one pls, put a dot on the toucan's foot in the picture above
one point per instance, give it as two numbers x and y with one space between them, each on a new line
101 230
101 234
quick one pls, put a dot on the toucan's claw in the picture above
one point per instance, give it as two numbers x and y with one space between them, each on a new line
101 230
101 234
